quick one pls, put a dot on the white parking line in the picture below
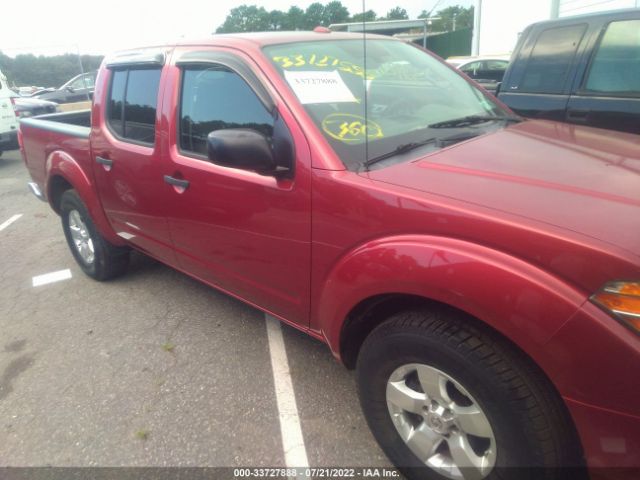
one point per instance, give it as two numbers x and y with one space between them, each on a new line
51 277
10 221
295 453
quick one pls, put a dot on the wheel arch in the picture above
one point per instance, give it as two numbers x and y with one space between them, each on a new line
64 173
508 295
367 315
57 185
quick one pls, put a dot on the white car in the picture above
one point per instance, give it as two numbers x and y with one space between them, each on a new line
8 118
487 71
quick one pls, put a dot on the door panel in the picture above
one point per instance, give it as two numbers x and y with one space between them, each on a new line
548 107
622 114
129 173
243 232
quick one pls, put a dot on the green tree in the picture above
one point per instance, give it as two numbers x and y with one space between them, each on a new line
314 15
451 18
294 19
397 13
335 12
245 18
368 16
251 18
28 69
276 20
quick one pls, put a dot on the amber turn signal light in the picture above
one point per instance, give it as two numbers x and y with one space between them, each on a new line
622 299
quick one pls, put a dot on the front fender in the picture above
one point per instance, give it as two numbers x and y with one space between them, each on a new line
521 301
61 164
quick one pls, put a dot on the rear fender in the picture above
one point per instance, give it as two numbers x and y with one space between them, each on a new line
524 303
61 164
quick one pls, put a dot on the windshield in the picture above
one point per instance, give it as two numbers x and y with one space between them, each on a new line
368 113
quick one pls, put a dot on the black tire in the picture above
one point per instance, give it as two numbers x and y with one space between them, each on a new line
532 434
109 261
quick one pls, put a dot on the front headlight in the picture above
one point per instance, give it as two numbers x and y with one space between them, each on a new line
621 299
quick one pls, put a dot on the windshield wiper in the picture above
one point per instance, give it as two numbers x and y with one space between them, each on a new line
404 148
472 120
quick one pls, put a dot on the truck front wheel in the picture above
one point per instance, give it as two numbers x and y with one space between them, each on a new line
448 400
96 256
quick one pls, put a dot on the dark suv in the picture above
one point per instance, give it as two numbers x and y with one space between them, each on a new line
583 70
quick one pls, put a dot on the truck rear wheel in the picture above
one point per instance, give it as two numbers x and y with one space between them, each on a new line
446 400
96 256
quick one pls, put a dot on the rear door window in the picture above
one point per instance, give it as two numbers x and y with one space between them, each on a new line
141 99
551 59
133 99
615 68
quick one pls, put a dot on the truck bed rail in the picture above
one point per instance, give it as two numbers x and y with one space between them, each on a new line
75 124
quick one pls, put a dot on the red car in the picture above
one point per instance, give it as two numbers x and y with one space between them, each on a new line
480 272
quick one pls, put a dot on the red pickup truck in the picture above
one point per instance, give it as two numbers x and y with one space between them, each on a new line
480 272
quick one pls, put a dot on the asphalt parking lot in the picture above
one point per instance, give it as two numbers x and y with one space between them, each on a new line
151 369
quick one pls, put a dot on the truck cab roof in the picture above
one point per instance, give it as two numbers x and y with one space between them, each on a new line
255 40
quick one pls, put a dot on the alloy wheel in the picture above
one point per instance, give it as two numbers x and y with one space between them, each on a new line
81 238
440 422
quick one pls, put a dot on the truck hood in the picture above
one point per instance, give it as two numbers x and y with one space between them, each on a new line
581 179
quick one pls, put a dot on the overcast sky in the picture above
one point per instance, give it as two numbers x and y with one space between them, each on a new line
47 27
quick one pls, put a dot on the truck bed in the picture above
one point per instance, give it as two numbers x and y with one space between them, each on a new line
46 134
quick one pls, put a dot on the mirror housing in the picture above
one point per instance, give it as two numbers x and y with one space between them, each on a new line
70 89
241 148
249 149
498 88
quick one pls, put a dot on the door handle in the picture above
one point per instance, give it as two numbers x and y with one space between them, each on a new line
105 162
176 182
581 116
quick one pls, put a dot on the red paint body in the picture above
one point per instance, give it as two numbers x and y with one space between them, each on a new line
518 228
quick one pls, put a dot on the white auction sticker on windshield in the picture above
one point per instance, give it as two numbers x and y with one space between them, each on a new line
319 87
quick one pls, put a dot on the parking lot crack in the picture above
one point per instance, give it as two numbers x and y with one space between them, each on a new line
15 368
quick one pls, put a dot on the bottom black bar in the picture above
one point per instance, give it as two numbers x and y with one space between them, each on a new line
334 473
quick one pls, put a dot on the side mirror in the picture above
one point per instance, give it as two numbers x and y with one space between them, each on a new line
241 148
498 85
249 149
70 89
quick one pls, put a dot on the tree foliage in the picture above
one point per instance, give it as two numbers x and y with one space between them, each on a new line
368 16
251 18
314 16
41 71
450 17
397 13
246 18
294 19
335 12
